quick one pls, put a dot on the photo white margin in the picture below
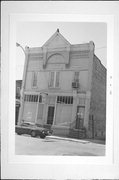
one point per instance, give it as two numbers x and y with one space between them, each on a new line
24 161
108 158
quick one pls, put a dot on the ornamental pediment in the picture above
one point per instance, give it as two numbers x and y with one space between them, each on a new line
56 40
56 50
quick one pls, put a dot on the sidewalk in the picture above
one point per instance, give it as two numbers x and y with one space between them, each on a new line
84 141
68 139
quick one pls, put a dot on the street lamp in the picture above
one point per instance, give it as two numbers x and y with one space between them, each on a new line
18 45
24 77
26 59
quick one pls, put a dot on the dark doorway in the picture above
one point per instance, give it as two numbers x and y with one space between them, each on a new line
80 117
50 115
17 112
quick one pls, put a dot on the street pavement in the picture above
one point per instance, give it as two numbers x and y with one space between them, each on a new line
53 145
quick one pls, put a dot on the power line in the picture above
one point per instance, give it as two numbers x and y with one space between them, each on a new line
101 47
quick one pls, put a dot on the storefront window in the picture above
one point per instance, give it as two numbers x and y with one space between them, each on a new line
32 98
65 99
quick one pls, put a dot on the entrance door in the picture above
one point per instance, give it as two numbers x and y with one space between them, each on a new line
50 115
80 117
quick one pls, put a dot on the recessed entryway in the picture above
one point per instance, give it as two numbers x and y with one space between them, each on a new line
50 115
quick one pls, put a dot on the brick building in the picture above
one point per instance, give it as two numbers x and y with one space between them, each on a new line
18 94
64 86
18 88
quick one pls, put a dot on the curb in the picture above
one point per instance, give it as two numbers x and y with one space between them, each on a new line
68 139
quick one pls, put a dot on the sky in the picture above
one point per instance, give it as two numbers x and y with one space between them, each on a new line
35 34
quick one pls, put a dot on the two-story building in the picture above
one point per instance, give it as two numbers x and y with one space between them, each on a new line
64 86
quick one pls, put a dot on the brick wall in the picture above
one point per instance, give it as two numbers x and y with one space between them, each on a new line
97 120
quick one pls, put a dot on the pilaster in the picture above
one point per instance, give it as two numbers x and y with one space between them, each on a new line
87 109
74 108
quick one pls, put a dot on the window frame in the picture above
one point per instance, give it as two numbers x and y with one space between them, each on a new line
55 79
34 78
67 100
33 98
76 76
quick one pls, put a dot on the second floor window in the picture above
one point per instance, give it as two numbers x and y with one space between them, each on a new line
57 79
34 80
54 79
76 76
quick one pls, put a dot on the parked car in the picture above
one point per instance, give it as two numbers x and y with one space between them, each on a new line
33 130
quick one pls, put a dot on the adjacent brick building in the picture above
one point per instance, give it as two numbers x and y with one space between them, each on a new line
18 88
64 86
18 94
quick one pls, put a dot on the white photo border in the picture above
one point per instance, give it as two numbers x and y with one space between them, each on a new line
108 158
64 165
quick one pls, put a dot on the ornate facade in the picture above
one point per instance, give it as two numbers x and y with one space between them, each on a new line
64 86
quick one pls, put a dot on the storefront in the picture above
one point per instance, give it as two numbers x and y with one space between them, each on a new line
54 110
63 87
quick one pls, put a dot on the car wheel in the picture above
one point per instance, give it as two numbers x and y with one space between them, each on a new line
33 133
42 136
19 133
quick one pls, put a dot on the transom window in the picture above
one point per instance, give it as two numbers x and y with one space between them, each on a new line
65 99
32 98
54 79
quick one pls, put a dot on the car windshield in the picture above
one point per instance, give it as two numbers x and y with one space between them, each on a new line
39 125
